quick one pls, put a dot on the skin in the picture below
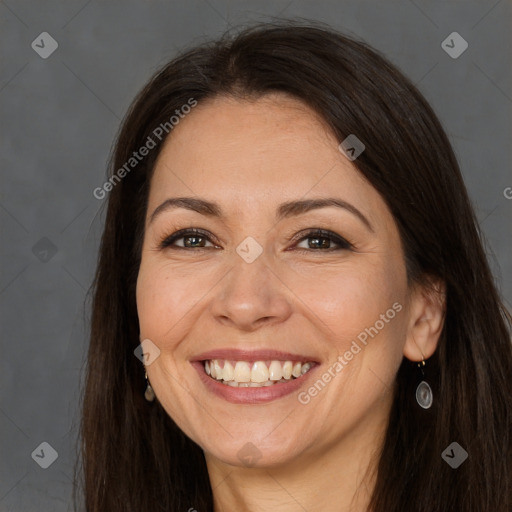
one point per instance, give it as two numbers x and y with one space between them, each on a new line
249 156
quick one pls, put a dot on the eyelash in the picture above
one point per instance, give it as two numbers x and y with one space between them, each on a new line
167 242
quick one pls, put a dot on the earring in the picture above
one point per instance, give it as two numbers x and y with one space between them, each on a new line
149 394
424 395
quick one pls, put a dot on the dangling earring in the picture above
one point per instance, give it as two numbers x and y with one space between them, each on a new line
149 394
424 395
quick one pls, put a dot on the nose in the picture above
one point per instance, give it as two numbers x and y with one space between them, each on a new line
251 295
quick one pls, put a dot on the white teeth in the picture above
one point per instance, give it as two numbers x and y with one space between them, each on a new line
259 372
228 372
216 369
275 370
235 384
242 372
287 369
296 370
305 367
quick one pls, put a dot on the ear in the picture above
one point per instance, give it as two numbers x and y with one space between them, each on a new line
426 319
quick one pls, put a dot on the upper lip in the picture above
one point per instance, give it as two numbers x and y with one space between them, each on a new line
252 355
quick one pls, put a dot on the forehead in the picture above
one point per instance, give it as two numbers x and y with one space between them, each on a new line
245 152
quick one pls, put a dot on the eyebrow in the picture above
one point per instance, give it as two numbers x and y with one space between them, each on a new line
285 210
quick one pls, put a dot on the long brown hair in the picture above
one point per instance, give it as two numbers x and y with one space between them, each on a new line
134 457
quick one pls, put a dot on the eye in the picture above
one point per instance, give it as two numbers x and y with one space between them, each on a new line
193 239
321 240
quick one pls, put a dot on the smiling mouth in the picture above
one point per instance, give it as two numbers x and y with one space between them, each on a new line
255 374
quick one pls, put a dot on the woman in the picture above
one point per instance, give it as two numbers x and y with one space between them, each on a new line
290 251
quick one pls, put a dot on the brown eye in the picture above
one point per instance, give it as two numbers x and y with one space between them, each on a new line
321 239
192 239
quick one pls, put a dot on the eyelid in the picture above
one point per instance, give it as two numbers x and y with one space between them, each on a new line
340 241
167 241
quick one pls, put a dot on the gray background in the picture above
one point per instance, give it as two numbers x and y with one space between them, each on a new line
59 117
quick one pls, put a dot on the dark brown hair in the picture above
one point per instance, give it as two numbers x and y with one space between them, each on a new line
134 457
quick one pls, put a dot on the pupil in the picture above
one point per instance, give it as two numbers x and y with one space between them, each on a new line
324 243
194 238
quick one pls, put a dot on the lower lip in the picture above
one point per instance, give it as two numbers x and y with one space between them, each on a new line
251 395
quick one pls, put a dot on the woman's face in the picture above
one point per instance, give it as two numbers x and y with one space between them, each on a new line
259 292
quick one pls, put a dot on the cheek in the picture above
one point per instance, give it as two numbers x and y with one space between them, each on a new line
372 320
362 314
349 300
159 302
166 299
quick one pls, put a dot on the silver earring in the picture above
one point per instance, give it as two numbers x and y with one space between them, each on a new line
149 394
424 395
